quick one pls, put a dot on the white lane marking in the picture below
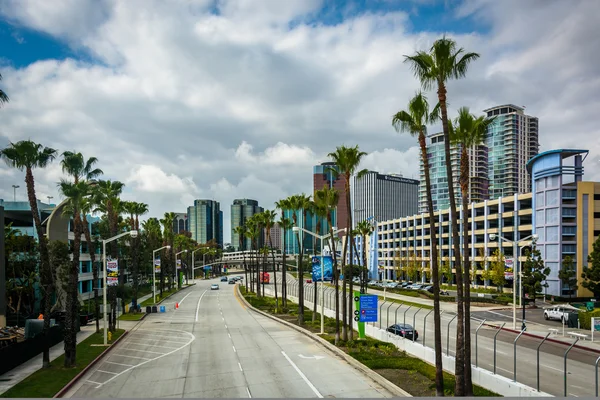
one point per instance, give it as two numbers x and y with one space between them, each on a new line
150 344
181 302
225 326
234 350
229 334
107 372
150 336
124 365
198 306
223 318
123 355
309 383
141 351
240 365
556 369
505 370
578 387
574 395
248 390
497 351
192 338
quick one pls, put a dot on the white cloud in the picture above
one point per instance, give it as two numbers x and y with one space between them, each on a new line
185 104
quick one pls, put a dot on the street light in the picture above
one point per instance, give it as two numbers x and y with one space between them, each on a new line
49 198
176 274
154 270
193 264
335 231
15 187
515 267
133 235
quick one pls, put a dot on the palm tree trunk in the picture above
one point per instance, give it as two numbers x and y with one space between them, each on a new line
70 332
464 178
350 270
337 282
46 270
274 272
439 371
344 299
300 280
459 373
284 274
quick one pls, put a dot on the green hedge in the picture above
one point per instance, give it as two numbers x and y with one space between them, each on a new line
585 318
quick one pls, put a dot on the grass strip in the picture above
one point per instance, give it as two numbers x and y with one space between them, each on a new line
131 317
415 376
47 382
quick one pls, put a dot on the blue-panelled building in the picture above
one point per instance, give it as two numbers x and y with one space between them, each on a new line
310 243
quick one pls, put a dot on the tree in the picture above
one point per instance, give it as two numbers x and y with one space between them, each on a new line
568 275
415 121
534 272
347 160
412 267
27 155
364 229
300 204
446 270
284 224
3 96
442 63
22 257
467 132
498 269
169 237
591 272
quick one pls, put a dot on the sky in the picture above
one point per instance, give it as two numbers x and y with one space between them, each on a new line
225 99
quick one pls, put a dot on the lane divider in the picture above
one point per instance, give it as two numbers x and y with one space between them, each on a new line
309 383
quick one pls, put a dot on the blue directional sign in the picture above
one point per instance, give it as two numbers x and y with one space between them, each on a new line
368 308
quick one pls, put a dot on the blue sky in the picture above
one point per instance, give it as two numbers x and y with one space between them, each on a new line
22 46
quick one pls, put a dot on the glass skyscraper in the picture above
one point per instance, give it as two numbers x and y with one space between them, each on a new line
241 210
205 221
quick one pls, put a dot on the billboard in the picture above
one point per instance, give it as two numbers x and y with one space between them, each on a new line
316 268
157 266
179 263
112 273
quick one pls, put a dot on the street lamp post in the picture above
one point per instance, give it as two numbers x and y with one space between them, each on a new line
515 244
321 238
15 187
133 235
176 273
194 264
154 270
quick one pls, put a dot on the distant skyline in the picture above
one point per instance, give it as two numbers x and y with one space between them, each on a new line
234 99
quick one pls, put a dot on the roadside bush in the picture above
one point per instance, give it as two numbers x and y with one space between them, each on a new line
585 318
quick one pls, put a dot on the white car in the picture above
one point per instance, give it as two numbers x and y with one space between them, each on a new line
558 313
214 286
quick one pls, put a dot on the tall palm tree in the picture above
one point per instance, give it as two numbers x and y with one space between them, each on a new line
252 232
285 224
27 155
269 220
364 228
87 207
137 209
261 224
414 121
329 197
74 193
319 210
241 231
347 159
3 96
169 236
442 63
467 132
300 203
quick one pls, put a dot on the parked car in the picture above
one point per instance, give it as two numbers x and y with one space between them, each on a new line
404 285
404 330
558 313
428 288
372 283
391 285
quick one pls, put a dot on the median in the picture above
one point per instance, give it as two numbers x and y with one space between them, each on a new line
405 372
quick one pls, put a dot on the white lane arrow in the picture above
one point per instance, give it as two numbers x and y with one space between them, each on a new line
310 358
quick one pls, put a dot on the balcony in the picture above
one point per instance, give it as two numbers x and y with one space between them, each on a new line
569 230
569 194
569 212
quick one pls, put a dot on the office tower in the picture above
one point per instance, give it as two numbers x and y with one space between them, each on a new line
276 236
383 196
512 140
205 221
327 174
180 223
241 211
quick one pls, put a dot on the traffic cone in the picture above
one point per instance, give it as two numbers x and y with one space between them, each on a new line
176 306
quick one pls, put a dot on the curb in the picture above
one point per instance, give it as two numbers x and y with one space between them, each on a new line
69 385
395 390
577 346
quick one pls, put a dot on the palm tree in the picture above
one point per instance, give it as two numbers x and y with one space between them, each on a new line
414 121
285 224
167 223
240 231
467 132
442 63
300 204
27 155
269 220
364 228
3 96
347 159
329 197
319 210
74 192
252 232
87 207
137 209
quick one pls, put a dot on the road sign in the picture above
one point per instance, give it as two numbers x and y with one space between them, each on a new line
368 308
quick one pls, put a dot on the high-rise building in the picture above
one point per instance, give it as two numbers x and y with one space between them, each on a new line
241 210
478 173
180 223
276 237
327 174
512 140
205 221
383 196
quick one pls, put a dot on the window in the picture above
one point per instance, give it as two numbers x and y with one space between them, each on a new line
552 216
552 252
540 184
539 200
540 233
552 198
539 216
597 215
552 234
597 196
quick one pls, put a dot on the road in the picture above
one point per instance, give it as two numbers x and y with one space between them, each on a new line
581 372
212 346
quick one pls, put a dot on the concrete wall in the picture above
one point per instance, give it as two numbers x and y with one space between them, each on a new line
481 377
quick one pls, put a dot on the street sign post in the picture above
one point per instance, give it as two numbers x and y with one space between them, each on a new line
368 310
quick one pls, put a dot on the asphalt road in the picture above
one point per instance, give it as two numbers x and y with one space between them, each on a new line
581 372
212 346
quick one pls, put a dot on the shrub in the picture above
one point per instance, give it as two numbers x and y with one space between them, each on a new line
585 318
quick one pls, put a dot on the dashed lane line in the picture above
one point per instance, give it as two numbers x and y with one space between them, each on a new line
309 383
181 302
198 306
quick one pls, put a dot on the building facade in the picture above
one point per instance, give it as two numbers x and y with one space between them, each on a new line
478 177
383 197
563 210
327 175
180 223
241 211
512 140
205 221
276 237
